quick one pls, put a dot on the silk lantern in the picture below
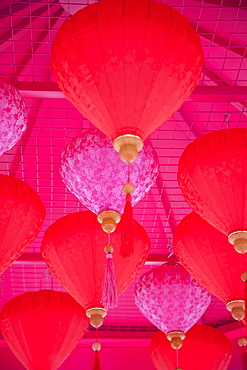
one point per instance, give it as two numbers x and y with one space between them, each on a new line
212 175
127 66
21 216
94 173
13 116
172 300
42 328
205 253
205 348
73 248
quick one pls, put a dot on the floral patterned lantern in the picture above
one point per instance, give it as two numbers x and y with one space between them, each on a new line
172 300
212 175
13 116
207 256
42 328
93 171
205 348
73 248
127 66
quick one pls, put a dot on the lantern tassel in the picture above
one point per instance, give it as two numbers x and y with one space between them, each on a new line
109 295
244 359
127 244
96 365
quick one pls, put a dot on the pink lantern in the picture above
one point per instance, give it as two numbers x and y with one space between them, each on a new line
172 300
13 116
92 170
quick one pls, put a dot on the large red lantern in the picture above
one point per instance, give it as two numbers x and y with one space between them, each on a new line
205 348
127 66
21 216
42 328
212 175
172 300
13 116
207 256
73 248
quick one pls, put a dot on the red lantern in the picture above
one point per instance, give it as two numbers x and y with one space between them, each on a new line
73 248
172 300
42 328
204 348
21 216
212 175
127 66
208 257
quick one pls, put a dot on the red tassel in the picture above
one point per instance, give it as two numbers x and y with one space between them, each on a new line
109 295
96 365
244 359
127 245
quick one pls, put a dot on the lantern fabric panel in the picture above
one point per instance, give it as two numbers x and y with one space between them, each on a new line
94 173
204 348
170 298
127 66
209 258
42 328
13 116
212 175
21 216
73 248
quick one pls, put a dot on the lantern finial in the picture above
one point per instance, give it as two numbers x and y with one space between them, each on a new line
239 240
237 309
128 147
176 338
109 220
96 316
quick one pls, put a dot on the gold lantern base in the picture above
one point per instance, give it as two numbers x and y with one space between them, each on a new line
96 315
237 309
109 220
128 147
176 338
239 240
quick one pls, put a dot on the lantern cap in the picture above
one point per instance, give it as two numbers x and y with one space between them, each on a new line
176 338
96 315
109 220
239 240
128 147
237 309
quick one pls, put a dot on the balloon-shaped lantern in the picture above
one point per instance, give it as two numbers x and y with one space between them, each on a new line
127 66
13 116
92 170
21 216
42 328
207 256
205 348
172 300
212 175
73 248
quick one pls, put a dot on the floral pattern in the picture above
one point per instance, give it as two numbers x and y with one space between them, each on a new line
170 298
13 116
92 170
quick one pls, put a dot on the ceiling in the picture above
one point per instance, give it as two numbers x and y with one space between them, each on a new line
27 30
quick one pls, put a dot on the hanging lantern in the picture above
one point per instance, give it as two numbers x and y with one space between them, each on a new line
21 216
207 256
73 248
212 175
127 66
42 328
172 300
13 116
205 348
93 172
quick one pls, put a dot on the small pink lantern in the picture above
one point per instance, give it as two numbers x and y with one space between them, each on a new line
13 116
92 170
172 300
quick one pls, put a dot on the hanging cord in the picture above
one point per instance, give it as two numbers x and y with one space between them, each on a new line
46 276
227 116
169 247
177 362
